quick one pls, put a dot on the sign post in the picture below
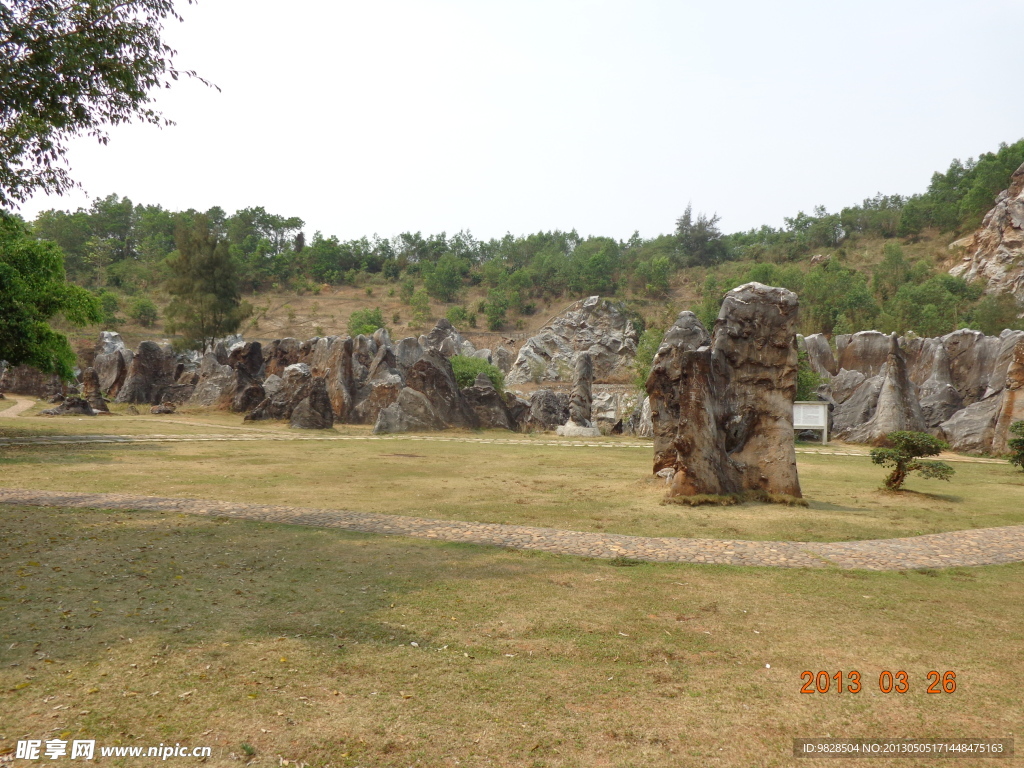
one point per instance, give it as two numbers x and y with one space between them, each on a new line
811 414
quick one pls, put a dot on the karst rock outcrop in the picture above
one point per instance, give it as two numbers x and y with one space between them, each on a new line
995 253
594 325
722 407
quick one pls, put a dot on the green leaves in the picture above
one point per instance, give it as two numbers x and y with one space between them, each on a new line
72 67
901 452
365 322
33 290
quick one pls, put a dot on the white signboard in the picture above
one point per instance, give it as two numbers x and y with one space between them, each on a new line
809 414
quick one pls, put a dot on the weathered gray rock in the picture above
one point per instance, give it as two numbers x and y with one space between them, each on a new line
271 385
246 391
412 412
581 397
723 413
503 359
314 411
70 406
995 252
248 355
295 387
897 407
491 409
432 376
548 410
844 384
857 408
867 352
407 352
216 383
972 359
972 429
164 408
939 398
592 325
443 338
819 355
639 422
151 371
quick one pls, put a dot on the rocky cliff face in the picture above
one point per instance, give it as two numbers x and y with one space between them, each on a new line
995 253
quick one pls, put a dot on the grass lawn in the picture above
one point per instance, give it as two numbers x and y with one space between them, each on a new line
278 643
579 488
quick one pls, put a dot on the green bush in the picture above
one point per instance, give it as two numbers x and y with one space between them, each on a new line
1017 444
143 311
365 322
807 380
646 349
457 316
420 304
467 368
109 305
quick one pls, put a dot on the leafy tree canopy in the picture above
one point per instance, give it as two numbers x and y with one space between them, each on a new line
73 67
33 290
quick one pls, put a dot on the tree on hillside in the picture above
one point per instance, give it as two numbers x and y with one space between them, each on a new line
73 67
33 290
700 240
206 302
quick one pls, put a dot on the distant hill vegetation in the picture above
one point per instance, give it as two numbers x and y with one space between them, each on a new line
880 264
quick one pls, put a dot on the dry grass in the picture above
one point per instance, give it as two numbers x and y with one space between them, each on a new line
592 489
147 628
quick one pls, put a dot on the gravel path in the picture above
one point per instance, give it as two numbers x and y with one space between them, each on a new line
985 546
20 406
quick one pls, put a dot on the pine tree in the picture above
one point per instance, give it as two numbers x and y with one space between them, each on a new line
206 301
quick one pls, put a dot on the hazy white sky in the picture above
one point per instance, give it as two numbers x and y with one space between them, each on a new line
516 116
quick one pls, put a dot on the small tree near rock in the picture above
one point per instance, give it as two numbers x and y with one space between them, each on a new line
1016 444
902 451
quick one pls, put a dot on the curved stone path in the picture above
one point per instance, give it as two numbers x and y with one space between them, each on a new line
20 406
986 546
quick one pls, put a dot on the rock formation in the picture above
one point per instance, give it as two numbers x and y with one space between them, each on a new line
111 361
581 400
723 412
995 253
896 407
593 325
26 380
430 399
314 410
151 371
91 391
70 406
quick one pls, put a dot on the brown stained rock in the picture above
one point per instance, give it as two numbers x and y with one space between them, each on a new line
151 371
91 391
897 407
1011 408
490 407
296 382
332 360
581 399
754 344
665 384
111 361
279 354
246 391
722 412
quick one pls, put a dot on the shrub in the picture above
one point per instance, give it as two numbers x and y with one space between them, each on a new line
467 368
365 322
1016 444
901 453
420 304
143 311
646 349
807 380
457 316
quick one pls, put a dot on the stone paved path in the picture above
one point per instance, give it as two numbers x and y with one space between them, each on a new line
985 546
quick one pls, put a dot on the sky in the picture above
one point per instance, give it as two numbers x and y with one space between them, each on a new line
498 116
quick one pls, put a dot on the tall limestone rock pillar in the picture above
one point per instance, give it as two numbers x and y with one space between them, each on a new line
722 407
581 399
